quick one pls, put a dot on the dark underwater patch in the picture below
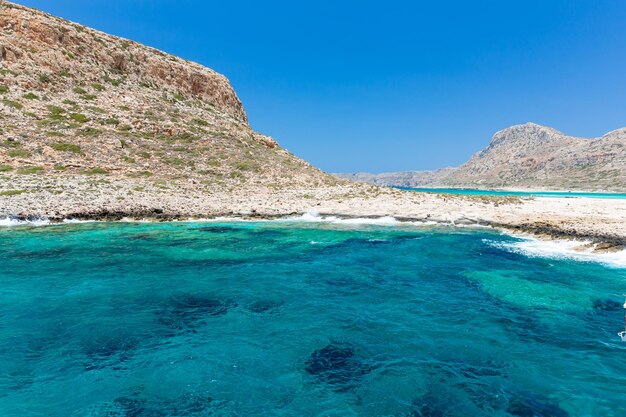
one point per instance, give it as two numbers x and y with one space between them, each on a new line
607 305
530 406
143 236
43 254
135 406
461 384
188 311
107 351
363 243
181 242
264 306
338 365
216 229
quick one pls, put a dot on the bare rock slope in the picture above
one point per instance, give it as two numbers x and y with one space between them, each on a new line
528 156
79 104
534 156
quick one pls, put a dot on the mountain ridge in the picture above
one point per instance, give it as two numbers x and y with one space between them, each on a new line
529 156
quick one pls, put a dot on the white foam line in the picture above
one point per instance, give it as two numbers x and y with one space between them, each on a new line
12 222
76 221
561 249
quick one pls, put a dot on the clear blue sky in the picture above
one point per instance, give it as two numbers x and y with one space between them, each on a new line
392 85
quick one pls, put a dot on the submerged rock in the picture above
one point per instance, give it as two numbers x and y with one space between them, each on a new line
215 229
108 351
534 407
134 405
264 306
187 311
607 305
337 364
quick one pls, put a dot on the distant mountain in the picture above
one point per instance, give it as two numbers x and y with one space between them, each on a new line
401 179
530 156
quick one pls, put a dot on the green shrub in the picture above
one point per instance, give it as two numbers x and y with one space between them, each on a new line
246 166
30 170
11 192
90 132
44 78
30 96
56 113
69 102
200 122
112 121
214 162
95 171
98 87
96 109
5 168
79 90
66 147
144 174
177 162
125 128
3 89
13 104
8 143
112 81
18 153
65 73
79 117
88 96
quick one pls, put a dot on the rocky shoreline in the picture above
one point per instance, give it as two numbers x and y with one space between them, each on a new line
594 222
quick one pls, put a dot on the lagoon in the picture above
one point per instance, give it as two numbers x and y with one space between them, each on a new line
554 194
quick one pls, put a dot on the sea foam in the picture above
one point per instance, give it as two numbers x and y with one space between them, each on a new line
561 249
314 217
11 222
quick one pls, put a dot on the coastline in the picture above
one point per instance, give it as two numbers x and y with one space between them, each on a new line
529 242
601 221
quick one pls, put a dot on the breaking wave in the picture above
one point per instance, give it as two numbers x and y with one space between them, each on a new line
11 222
561 249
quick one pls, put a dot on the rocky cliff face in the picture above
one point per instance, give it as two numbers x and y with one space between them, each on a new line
75 101
534 156
528 156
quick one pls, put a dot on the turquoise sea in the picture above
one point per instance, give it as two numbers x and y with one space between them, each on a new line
303 319
474 191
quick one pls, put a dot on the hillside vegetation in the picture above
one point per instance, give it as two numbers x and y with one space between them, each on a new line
78 102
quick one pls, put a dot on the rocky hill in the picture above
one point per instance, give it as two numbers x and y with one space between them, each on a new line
534 156
81 104
530 156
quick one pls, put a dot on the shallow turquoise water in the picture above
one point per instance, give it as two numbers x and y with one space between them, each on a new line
296 319
473 191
